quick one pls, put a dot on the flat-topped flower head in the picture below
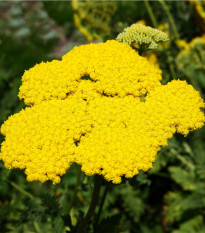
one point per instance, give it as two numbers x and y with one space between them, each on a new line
88 109
111 68
142 37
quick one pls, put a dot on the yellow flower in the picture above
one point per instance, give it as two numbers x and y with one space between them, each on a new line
141 21
93 18
114 68
199 7
190 60
164 27
87 109
182 44
152 58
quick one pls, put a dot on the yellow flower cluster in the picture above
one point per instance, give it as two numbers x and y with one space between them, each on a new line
191 52
182 44
127 134
114 68
85 32
151 55
152 58
142 36
188 46
191 60
199 6
164 27
42 139
88 109
93 18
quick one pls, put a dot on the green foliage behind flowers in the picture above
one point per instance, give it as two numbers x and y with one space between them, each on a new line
27 36
191 62
62 13
185 203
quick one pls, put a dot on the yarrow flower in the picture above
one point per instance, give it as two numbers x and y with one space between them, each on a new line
88 109
93 18
199 7
142 37
190 60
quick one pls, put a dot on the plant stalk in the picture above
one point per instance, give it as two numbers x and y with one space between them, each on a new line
150 12
75 190
171 19
102 203
93 204
16 186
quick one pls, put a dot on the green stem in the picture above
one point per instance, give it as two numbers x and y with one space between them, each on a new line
75 190
150 12
171 66
186 163
93 204
140 52
21 190
171 19
188 149
161 174
37 228
102 203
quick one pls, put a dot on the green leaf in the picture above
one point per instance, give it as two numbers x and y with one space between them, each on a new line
155 229
132 201
58 225
22 33
193 201
110 225
173 209
195 225
51 204
184 178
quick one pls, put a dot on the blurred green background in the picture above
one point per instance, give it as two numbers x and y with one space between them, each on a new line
168 198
